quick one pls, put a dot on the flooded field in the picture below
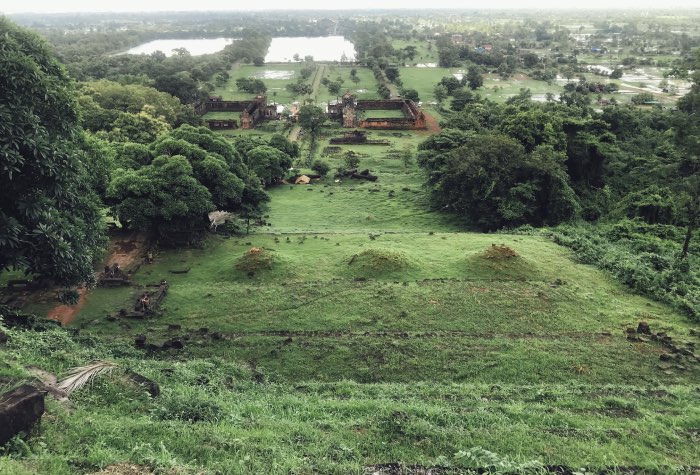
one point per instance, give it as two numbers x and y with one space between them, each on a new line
195 47
323 48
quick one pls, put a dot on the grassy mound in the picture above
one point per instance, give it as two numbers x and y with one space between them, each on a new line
256 259
378 261
502 262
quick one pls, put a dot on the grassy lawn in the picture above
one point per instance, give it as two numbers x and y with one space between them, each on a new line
275 77
223 115
424 80
424 54
364 88
383 114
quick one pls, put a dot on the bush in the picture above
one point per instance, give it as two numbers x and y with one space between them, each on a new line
320 167
351 160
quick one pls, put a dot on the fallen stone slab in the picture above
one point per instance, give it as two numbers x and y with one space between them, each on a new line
148 384
20 409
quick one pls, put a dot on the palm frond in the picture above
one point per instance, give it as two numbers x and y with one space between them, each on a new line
81 375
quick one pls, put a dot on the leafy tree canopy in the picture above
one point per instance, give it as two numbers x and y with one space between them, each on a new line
493 182
49 216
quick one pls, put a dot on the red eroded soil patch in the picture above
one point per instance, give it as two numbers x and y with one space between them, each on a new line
432 123
66 313
123 250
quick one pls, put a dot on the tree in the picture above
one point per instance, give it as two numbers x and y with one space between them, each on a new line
392 73
351 160
140 128
411 94
410 52
300 88
451 83
268 163
311 119
162 197
688 168
474 79
109 97
460 99
440 92
489 179
616 73
50 222
530 60
334 87
280 142
251 85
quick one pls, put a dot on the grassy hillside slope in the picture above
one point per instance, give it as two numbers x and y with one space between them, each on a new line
368 330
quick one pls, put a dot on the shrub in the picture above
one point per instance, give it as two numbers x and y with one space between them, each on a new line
320 167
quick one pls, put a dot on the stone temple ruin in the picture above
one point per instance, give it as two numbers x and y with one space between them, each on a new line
252 111
349 112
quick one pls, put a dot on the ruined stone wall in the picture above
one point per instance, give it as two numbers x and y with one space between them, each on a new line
388 124
387 104
222 124
227 106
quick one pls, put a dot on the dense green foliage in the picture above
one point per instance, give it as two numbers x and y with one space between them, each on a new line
49 214
107 106
180 178
493 181
643 256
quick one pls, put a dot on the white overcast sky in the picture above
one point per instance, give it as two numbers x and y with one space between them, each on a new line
52 6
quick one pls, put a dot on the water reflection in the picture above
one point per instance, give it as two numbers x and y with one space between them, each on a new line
327 48
195 47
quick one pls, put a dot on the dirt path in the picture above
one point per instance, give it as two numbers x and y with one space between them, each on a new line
124 251
320 70
316 84
294 134
433 125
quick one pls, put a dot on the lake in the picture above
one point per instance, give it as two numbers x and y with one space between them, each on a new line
196 47
325 48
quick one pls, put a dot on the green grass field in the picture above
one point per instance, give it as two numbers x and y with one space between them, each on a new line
383 114
369 329
275 77
364 88
424 54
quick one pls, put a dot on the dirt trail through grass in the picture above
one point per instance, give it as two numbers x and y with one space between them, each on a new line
320 70
124 251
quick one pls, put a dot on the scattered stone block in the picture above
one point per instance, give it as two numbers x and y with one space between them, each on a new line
140 341
643 328
150 385
20 409
174 343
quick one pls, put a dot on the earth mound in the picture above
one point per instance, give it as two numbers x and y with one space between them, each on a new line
379 261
